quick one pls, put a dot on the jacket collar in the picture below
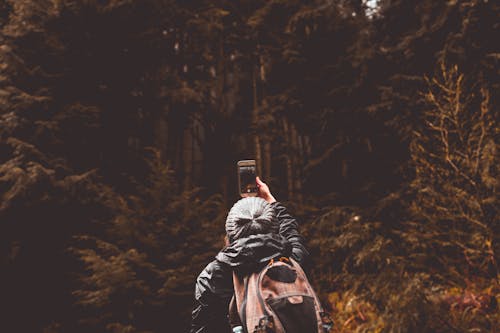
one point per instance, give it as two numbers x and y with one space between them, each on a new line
251 253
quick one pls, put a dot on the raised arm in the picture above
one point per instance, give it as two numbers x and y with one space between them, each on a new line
289 230
288 224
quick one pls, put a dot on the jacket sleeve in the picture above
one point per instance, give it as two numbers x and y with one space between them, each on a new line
289 230
213 292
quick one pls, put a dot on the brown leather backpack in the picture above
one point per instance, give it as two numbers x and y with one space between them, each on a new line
277 299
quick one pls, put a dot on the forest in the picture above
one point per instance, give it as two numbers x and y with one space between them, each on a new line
374 121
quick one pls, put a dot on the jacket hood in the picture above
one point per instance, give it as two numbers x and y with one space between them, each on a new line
251 253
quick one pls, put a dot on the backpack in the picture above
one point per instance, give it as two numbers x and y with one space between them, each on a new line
277 299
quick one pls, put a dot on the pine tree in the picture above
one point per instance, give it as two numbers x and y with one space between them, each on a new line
139 275
424 258
74 100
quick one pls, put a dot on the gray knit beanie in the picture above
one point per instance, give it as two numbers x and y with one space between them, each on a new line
251 216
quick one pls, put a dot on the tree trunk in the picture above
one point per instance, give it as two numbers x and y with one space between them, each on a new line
177 155
288 159
297 164
255 117
188 157
221 78
307 146
198 135
224 188
267 160
161 134
266 172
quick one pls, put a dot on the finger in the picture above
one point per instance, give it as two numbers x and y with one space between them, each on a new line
259 182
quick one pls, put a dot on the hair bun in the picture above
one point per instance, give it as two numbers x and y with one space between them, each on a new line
250 216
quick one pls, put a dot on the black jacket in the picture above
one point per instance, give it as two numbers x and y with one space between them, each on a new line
214 286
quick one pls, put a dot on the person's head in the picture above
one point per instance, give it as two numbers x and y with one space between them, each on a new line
251 216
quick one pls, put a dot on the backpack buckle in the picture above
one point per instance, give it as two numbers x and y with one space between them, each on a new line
266 325
326 322
282 259
285 260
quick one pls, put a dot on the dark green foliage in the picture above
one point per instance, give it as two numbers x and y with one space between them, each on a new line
140 273
67 183
456 162
121 122
431 263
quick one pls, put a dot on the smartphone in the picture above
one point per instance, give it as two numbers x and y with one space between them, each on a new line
247 173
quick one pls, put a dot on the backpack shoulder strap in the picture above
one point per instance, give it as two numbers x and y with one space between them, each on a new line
324 318
300 271
234 316
240 297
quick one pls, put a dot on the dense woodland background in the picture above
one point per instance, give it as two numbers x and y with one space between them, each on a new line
121 121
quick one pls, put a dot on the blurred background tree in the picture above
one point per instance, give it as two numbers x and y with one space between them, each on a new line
121 122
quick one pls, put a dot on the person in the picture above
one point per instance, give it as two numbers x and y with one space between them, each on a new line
257 229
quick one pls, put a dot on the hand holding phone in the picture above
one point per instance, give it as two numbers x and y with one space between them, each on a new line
249 184
247 175
264 191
